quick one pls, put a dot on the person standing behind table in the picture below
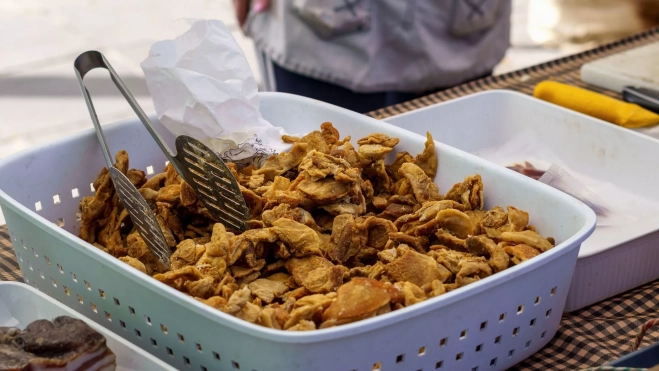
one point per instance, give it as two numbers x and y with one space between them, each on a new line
367 54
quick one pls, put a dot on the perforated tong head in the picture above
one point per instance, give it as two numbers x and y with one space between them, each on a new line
200 167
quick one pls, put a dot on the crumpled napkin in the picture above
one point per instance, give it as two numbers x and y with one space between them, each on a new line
202 86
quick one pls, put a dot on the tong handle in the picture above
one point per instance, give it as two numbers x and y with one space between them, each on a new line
92 59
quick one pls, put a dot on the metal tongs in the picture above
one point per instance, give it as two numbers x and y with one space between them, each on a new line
198 165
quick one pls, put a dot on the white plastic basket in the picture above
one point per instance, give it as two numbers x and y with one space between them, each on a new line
21 304
613 259
490 325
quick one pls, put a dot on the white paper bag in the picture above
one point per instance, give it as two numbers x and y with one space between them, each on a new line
202 86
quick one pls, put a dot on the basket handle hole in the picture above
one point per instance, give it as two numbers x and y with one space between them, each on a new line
56 200
75 193
37 206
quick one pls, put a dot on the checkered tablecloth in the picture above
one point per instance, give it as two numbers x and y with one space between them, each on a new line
591 337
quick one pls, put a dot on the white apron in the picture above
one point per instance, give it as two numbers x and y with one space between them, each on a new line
384 45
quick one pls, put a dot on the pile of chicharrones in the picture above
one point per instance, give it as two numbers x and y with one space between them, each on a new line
335 236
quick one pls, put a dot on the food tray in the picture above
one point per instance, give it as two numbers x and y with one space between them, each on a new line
613 259
21 304
643 358
491 325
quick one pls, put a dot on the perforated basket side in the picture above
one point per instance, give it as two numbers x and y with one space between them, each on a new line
490 331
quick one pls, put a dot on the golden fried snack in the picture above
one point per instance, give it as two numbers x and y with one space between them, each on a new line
336 234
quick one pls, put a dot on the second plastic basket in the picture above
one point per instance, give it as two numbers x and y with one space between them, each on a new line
489 325
21 304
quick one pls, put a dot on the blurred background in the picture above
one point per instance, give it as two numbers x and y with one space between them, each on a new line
39 94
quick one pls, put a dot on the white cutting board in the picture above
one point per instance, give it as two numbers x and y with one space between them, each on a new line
638 67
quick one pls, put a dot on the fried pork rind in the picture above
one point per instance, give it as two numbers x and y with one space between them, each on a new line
520 253
316 274
300 239
416 268
134 263
267 290
345 239
483 246
423 187
278 165
469 193
528 238
472 270
336 233
411 292
359 299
